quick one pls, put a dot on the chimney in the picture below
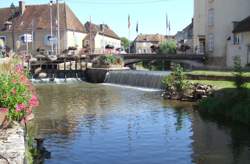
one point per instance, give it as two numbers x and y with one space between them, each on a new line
21 7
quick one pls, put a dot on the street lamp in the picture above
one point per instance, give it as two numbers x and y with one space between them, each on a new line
13 11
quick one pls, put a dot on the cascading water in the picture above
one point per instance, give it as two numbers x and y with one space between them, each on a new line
146 79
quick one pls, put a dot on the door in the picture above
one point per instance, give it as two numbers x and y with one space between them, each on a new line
248 54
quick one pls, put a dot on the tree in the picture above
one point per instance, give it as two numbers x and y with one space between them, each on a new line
125 42
239 81
167 47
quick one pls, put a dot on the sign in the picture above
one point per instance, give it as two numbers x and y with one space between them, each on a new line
26 38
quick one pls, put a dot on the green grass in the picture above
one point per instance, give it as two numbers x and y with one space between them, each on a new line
217 84
216 73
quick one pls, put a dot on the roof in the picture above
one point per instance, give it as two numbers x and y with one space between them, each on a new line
40 16
102 29
150 38
242 26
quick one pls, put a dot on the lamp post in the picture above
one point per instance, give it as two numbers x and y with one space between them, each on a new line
13 11
51 26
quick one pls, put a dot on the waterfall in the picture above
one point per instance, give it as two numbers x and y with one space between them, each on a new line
146 79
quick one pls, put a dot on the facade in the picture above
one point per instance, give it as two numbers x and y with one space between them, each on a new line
239 43
184 39
144 43
35 20
213 26
101 38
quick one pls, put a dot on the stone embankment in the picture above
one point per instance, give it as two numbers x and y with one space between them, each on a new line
12 145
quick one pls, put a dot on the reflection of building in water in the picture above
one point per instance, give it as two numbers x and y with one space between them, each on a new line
215 144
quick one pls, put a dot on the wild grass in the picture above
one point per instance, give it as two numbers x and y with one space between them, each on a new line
217 73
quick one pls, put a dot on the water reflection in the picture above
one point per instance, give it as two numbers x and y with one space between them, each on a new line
85 123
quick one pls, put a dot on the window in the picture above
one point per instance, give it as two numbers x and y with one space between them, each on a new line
48 39
211 17
3 38
236 39
211 42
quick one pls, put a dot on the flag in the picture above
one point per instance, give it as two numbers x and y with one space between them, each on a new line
169 27
129 24
167 22
137 27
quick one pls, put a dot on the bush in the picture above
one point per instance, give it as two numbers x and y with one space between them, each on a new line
17 95
108 60
239 81
167 47
176 81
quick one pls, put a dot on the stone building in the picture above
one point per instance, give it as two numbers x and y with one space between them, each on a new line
15 22
214 22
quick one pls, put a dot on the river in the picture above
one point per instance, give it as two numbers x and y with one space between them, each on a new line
86 123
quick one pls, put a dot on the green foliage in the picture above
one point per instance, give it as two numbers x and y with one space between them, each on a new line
239 81
229 104
167 47
125 42
17 95
176 81
107 60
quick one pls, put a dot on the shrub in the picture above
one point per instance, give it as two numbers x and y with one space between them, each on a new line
167 47
108 60
176 81
17 95
239 81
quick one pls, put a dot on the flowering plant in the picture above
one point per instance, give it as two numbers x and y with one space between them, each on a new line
17 95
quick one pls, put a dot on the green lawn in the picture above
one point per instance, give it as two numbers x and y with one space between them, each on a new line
217 84
216 73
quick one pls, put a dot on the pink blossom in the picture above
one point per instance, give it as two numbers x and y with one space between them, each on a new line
33 102
19 68
4 110
20 107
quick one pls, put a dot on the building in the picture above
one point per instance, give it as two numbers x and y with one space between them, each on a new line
34 20
101 38
214 22
184 39
239 43
144 43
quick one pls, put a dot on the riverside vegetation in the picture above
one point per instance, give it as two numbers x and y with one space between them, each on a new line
230 101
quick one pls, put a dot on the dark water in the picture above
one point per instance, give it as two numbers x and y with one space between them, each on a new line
97 124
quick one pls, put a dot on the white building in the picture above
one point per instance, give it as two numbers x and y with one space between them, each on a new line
213 27
100 37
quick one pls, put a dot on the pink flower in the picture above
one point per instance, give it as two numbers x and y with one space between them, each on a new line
20 107
14 91
19 68
4 110
33 102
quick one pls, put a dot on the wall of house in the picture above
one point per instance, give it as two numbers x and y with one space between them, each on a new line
199 27
75 39
101 41
68 39
144 47
241 50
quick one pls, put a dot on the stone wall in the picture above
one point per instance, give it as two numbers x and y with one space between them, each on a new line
12 145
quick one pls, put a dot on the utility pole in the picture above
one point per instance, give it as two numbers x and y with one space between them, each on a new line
51 27
58 29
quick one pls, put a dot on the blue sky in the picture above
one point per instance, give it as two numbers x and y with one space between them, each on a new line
151 14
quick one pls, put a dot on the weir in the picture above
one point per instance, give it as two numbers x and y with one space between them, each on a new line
146 79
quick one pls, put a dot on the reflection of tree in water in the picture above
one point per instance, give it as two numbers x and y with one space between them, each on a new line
239 137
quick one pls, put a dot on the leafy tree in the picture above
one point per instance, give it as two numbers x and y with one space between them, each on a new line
167 47
125 42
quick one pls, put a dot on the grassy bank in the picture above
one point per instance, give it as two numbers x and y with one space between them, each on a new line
218 84
216 73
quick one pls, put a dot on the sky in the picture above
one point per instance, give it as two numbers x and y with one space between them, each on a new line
150 14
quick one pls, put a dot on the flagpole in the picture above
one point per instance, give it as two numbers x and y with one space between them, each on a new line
129 34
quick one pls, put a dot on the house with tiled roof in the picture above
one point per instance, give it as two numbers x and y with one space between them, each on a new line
35 20
99 37
143 43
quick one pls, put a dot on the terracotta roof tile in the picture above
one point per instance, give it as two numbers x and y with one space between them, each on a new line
102 29
40 14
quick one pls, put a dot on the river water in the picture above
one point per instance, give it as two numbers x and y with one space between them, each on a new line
101 124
